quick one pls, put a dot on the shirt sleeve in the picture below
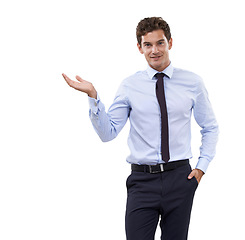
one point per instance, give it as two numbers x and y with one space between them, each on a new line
204 116
108 124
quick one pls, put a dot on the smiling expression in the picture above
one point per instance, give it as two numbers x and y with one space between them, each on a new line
155 47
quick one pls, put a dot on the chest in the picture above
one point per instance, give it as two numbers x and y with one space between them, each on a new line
144 103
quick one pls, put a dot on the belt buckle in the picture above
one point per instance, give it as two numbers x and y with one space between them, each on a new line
156 171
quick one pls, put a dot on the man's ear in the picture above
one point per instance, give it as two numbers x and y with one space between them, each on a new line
140 49
170 43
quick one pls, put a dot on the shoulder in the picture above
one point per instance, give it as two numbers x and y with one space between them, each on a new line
179 72
136 75
134 78
130 81
188 78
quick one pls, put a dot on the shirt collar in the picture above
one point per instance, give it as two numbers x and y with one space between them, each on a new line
168 71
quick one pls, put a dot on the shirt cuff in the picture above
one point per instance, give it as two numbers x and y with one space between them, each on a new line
202 164
94 104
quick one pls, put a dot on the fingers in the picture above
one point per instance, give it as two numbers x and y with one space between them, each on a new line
68 80
81 85
191 175
197 173
65 77
78 85
79 79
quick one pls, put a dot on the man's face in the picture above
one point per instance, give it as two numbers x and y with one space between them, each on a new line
155 47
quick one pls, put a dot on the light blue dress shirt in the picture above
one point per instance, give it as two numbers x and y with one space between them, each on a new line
136 99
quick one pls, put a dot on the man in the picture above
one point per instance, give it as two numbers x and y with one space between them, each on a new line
158 102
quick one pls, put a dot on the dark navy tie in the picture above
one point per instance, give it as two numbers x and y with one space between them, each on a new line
160 93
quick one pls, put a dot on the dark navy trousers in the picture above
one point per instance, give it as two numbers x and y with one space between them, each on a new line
167 196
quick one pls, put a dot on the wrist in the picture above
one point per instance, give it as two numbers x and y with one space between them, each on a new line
201 171
92 93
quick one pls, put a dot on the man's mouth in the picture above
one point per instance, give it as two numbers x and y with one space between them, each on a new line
155 57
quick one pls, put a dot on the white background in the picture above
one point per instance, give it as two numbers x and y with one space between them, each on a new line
57 179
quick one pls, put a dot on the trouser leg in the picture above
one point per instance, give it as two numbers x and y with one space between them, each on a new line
177 204
142 213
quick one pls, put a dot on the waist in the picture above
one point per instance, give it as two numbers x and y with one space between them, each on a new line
158 168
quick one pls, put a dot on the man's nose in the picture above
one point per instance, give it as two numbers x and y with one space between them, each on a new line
154 49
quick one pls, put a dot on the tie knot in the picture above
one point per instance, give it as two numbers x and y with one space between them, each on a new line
159 76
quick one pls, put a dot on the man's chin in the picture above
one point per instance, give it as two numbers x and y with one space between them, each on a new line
156 66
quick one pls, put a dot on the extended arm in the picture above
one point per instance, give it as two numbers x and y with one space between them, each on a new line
107 125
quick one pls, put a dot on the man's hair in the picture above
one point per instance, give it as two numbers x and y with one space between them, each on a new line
151 24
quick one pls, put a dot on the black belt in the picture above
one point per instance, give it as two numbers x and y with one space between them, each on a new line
159 167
